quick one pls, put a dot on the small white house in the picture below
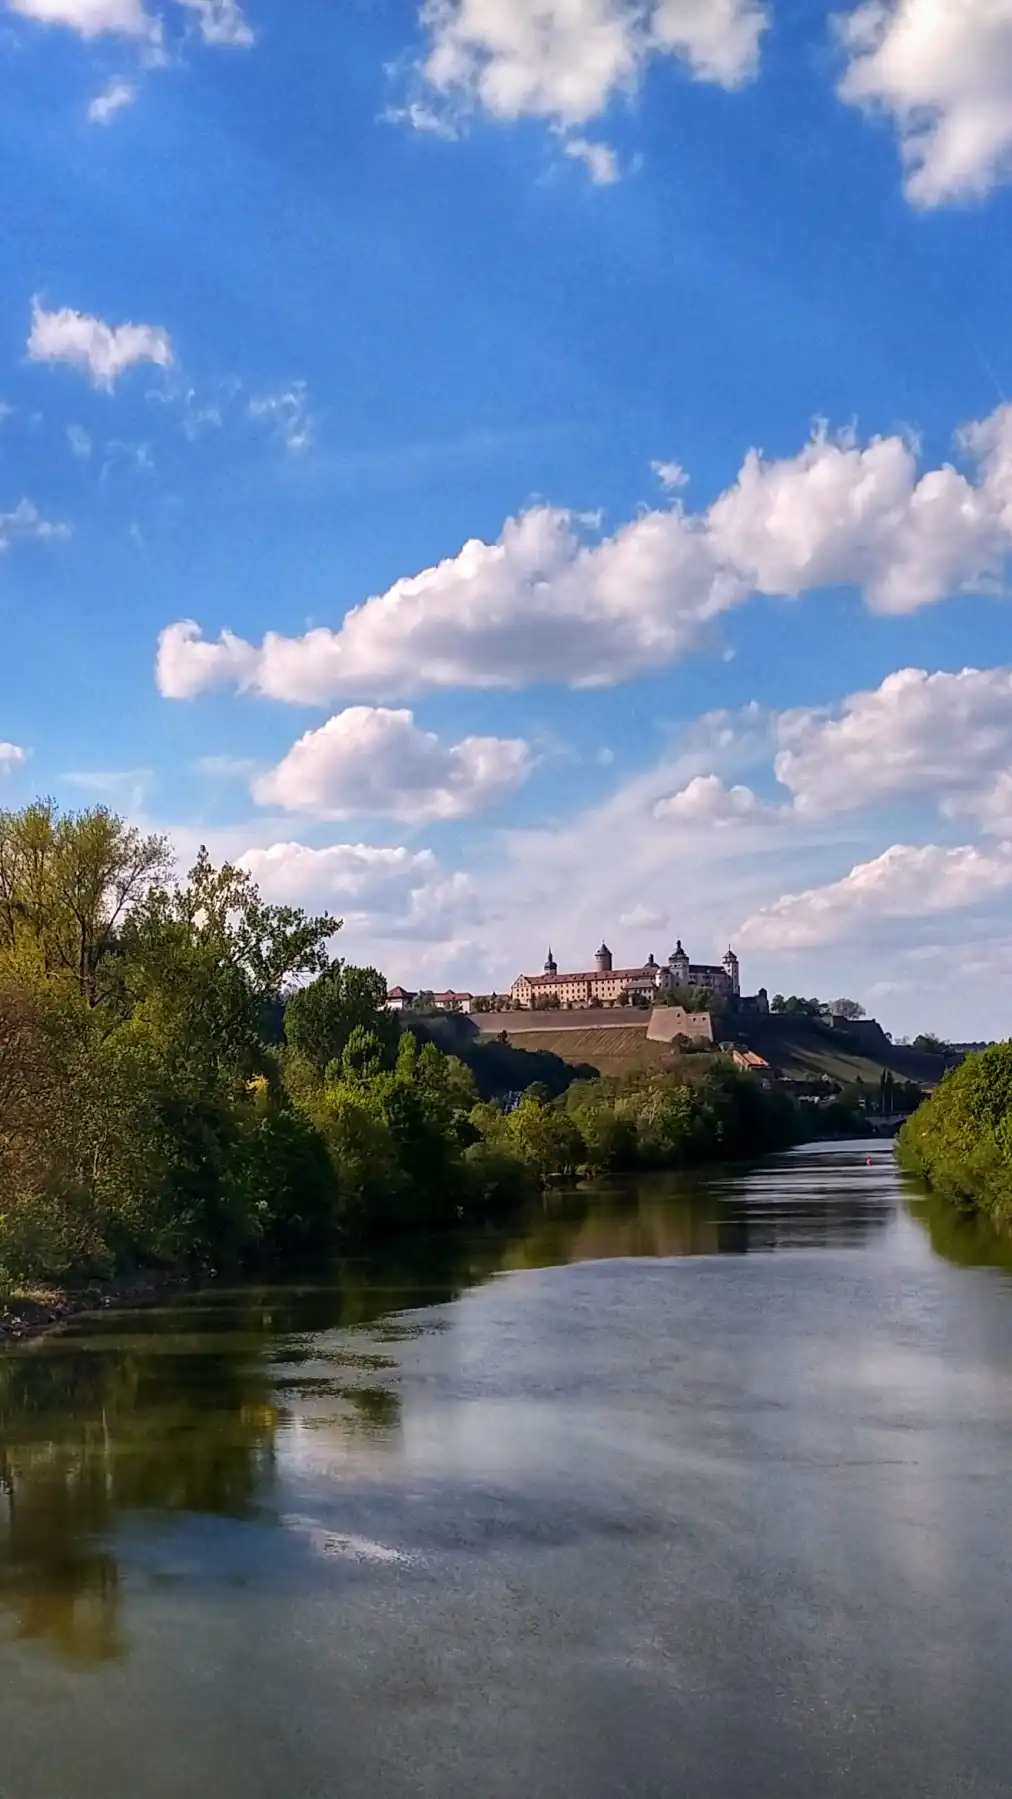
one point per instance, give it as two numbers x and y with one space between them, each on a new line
399 999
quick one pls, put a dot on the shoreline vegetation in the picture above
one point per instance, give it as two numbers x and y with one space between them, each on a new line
959 1142
191 1084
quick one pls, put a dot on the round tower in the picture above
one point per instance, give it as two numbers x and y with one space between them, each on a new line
603 960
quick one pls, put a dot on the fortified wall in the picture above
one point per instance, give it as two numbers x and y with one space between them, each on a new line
660 1025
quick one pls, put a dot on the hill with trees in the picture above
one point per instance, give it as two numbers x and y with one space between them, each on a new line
189 1080
960 1141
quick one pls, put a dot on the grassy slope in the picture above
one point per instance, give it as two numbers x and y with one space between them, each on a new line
609 1051
803 1049
799 1048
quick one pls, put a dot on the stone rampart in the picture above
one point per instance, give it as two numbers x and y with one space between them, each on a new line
661 1025
669 1022
581 1018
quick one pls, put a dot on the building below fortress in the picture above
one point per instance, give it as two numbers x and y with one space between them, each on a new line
605 985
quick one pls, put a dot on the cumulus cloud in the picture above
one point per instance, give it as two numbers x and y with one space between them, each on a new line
113 99
944 737
943 70
552 600
12 756
372 760
838 514
566 60
396 890
541 603
905 882
218 21
102 351
709 802
91 18
26 522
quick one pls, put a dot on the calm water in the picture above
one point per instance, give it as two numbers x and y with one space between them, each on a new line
706 1496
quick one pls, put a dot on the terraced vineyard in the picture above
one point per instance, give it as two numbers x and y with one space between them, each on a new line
609 1051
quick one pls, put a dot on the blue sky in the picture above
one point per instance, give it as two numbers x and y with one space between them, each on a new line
399 276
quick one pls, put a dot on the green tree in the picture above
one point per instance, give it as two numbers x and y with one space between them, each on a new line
68 881
321 1017
960 1139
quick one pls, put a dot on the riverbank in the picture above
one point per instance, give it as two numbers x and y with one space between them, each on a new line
47 1309
959 1143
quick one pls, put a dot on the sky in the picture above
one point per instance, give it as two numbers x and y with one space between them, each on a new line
512 472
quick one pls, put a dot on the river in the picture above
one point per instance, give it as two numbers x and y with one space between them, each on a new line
680 1491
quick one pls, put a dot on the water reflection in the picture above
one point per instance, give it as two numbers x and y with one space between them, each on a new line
963 1238
177 1412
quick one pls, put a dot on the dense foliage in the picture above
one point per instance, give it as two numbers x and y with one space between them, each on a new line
187 1079
960 1140
656 1121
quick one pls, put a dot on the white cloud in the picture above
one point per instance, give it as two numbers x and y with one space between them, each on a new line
599 159
371 760
218 21
79 441
670 474
222 22
550 602
943 737
125 788
112 99
392 891
943 70
12 756
288 414
91 18
26 522
541 603
837 514
226 767
708 801
642 918
422 118
905 882
103 351
566 60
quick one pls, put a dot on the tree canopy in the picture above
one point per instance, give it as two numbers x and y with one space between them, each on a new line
189 1080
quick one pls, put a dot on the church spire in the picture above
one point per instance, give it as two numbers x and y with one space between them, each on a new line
551 966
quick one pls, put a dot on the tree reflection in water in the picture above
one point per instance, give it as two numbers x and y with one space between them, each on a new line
177 1410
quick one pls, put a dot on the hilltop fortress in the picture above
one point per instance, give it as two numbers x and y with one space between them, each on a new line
606 985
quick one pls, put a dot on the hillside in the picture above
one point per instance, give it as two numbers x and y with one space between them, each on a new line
803 1049
798 1049
610 1051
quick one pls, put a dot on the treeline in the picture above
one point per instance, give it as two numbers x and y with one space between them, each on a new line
188 1079
960 1140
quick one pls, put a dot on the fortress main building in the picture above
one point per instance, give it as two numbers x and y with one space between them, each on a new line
605 984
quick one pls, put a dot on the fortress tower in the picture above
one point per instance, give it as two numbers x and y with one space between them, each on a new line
603 960
678 963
